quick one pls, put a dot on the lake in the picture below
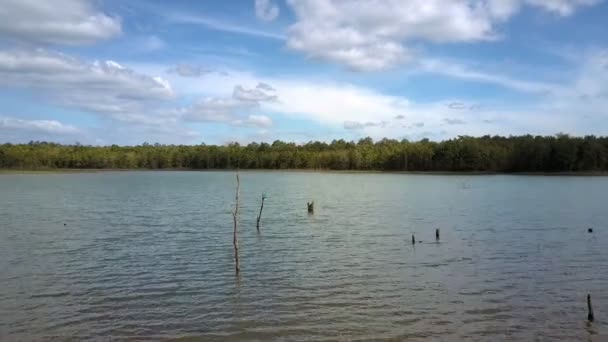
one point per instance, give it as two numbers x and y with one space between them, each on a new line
148 255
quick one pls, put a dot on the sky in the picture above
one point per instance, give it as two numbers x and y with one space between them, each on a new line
126 72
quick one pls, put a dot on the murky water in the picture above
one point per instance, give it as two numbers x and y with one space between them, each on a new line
148 255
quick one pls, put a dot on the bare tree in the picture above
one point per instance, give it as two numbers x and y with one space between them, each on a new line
235 216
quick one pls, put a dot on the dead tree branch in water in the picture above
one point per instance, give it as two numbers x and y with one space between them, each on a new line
235 216
260 214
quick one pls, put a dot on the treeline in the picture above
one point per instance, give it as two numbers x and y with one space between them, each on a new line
560 153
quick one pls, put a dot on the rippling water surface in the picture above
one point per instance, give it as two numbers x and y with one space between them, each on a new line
148 255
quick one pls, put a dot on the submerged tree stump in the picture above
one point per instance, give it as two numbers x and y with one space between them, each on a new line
590 315
235 237
311 207
437 234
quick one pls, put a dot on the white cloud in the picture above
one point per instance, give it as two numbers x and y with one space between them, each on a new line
454 121
266 10
210 109
333 103
19 130
262 92
218 25
375 35
575 105
457 106
137 134
348 110
69 22
189 70
254 121
102 87
145 105
152 43
562 7
37 126
460 71
226 111
265 87
584 101
231 110
355 125
592 82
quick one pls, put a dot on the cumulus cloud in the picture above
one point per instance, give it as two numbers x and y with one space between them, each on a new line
189 70
562 7
355 125
254 121
37 126
265 87
221 110
104 87
13 129
337 105
194 70
262 92
457 106
450 121
462 106
138 134
248 100
225 111
369 36
334 103
266 10
69 22
233 110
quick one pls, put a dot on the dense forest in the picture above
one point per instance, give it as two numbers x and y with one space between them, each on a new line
560 153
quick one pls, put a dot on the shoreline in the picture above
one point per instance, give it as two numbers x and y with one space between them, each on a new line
437 173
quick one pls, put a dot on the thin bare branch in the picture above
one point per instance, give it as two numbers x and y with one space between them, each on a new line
235 217
260 214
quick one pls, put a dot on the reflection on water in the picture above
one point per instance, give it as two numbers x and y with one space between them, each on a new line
149 255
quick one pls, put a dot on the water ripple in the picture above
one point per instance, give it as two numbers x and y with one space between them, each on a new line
148 256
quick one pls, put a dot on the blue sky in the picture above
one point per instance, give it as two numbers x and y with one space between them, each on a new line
185 72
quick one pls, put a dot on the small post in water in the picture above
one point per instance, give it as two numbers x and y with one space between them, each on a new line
437 234
311 207
260 214
413 239
590 315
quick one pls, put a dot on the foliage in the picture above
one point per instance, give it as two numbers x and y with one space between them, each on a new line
487 153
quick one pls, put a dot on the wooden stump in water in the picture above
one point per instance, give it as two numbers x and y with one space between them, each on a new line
590 315
311 207
413 239
437 234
